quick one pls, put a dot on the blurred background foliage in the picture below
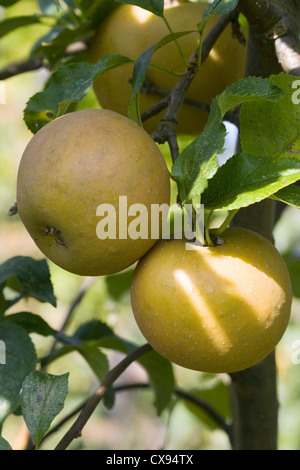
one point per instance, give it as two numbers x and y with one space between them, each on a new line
132 423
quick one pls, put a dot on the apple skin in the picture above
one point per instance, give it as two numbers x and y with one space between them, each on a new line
76 163
129 30
213 309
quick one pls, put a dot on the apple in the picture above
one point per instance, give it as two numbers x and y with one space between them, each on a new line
213 309
74 170
130 30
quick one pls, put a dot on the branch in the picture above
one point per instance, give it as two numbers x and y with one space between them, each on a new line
148 87
278 22
86 284
166 131
183 394
21 67
90 406
287 54
35 63
179 393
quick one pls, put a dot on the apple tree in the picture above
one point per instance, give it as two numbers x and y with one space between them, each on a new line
251 83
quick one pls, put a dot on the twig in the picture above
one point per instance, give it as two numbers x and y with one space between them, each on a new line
166 131
59 424
178 392
86 284
278 21
22 67
156 108
90 406
37 63
214 34
183 394
82 291
163 104
44 361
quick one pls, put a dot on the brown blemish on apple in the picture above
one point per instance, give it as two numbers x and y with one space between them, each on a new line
57 233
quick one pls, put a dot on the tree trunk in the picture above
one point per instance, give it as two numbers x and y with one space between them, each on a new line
254 391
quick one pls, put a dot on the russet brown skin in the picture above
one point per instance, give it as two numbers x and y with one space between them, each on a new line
70 167
214 309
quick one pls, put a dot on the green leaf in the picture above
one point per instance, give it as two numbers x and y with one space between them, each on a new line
268 128
42 399
197 163
245 179
250 89
217 396
158 369
93 330
218 7
289 195
11 24
86 340
32 323
20 360
54 48
8 3
269 163
221 7
70 83
133 110
115 343
96 11
96 359
96 334
33 276
139 73
4 445
85 5
155 6
293 265
118 284
161 377
109 398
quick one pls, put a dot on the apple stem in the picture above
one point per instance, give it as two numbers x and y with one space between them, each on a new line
207 234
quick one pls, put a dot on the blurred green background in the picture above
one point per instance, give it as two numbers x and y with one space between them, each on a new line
132 423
